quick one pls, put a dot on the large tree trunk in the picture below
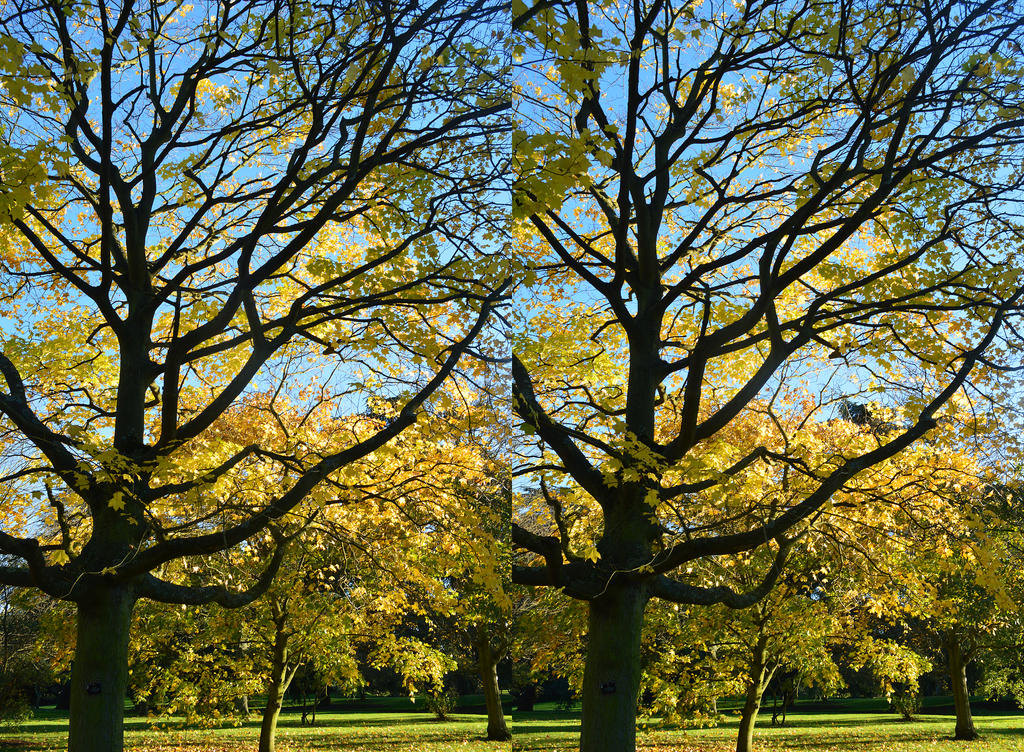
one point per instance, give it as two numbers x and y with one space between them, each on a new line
488 657
277 683
757 681
611 678
961 699
99 677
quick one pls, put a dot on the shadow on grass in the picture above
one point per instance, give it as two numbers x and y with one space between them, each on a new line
342 722
539 729
547 716
841 744
847 722
33 727
933 721
989 732
364 743
56 727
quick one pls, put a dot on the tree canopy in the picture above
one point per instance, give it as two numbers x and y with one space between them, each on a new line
727 210
265 210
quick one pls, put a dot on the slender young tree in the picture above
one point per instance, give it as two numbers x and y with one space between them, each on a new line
202 203
719 201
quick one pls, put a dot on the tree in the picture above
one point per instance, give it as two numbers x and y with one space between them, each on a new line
1003 657
792 629
202 204
384 550
489 612
896 668
483 620
971 589
719 201
349 587
191 662
23 670
299 624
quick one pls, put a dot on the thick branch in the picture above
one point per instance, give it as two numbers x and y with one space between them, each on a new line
156 589
678 592
221 540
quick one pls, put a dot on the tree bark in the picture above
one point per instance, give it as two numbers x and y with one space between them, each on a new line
756 684
487 664
611 677
961 699
99 677
277 683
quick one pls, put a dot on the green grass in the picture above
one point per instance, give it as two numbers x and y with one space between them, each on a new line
362 732
860 725
847 726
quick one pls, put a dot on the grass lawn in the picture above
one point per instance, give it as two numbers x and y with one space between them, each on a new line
380 726
838 726
379 730
364 732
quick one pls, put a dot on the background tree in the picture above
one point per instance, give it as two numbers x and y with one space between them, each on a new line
484 619
406 545
199 204
896 669
1003 660
192 662
968 603
718 200
489 611
793 629
24 671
